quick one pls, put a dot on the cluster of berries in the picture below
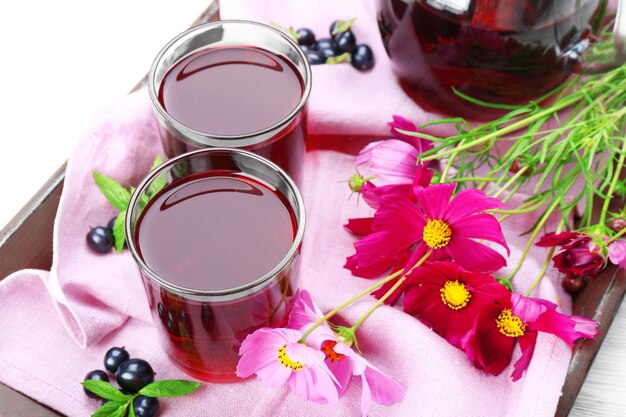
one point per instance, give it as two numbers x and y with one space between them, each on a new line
131 375
340 42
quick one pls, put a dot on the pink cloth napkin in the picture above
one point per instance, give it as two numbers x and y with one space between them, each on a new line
56 325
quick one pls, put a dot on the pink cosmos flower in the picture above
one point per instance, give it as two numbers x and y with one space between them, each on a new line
617 253
394 161
436 221
341 359
490 344
276 357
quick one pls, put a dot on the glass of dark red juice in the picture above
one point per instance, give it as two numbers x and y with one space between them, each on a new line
216 233
235 84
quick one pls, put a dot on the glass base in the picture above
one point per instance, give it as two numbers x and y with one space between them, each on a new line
207 376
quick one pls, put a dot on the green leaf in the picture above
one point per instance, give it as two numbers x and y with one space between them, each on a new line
121 411
169 388
343 26
105 390
108 409
159 182
131 410
119 232
339 59
117 195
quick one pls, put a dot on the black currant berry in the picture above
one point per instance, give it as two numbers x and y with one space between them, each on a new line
345 42
114 357
145 406
134 374
362 57
100 239
96 375
306 36
315 58
326 43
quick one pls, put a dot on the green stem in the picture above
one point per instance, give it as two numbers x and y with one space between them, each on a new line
510 181
378 303
540 224
616 175
359 295
508 129
617 236
545 265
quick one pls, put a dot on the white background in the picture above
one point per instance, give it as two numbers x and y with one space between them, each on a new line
61 62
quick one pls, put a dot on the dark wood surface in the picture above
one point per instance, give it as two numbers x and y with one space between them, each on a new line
19 249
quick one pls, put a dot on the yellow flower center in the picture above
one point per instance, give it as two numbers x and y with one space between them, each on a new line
286 360
436 233
455 295
510 325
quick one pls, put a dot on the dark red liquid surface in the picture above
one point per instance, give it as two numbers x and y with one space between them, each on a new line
497 51
236 91
230 91
215 232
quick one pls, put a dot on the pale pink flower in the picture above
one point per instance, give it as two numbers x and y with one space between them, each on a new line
276 357
617 253
341 359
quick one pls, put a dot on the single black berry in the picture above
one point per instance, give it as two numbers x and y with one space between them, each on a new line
96 375
315 57
114 357
134 374
327 53
145 406
111 223
306 36
362 57
345 42
325 43
333 26
100 239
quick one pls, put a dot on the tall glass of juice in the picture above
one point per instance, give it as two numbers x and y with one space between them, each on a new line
235 84
216 233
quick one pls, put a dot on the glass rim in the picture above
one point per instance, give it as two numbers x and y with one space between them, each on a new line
238 291
209 139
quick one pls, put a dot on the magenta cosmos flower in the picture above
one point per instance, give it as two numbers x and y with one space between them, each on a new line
448 298
449 226
276 357
341 359
579 257
490 344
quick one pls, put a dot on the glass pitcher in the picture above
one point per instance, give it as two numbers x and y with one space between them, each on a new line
500 51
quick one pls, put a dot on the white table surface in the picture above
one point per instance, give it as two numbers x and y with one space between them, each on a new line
63 61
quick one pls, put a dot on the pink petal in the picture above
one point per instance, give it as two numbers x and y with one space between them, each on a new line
360 226
552 239
617 253
568 328
434 199
372 194
368 261
273 375
385 390
474 256
393 160
468 202
528 309
480 226
527 344
314 381
402 123
342 369
366 397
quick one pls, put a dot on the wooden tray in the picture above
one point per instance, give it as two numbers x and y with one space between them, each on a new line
19 249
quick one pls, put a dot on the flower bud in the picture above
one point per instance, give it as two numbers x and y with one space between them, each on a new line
617 224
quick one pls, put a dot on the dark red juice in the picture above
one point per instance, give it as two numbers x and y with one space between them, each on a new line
493 50
235 91
215 232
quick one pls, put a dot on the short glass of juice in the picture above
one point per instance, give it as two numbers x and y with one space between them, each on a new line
216 233
235 84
